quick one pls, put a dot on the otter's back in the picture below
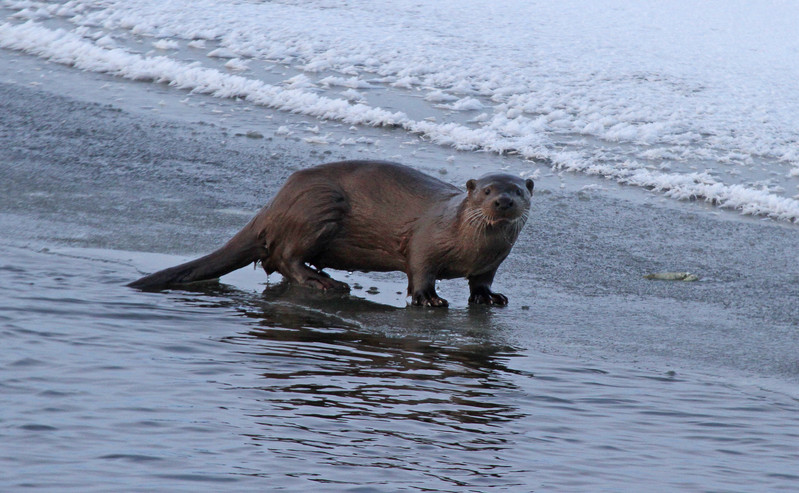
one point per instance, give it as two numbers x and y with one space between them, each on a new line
383 201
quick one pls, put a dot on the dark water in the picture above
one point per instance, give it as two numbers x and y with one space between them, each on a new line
108 389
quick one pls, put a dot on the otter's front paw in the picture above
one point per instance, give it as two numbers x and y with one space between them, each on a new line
423 300
485 296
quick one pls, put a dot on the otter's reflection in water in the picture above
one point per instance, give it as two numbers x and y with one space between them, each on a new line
408 390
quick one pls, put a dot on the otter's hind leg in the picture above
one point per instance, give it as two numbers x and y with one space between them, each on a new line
303 226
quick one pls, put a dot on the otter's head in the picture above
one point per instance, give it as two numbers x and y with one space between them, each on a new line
499 198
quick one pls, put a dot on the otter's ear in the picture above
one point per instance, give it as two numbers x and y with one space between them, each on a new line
530 185
471 185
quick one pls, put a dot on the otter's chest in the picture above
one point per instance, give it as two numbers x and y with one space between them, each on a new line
476 256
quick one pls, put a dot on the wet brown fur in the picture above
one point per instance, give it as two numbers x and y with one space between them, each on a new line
375 216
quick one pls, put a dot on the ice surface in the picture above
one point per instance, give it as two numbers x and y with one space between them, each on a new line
697 101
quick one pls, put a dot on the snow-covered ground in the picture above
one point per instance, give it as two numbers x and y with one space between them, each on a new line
695 100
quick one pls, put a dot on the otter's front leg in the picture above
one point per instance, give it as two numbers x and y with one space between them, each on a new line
422 288
481 294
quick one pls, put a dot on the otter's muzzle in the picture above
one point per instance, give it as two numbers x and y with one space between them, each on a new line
503 203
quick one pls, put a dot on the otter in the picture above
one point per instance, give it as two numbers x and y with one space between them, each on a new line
375 216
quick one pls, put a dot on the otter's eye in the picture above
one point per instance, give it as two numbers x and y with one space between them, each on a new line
487 191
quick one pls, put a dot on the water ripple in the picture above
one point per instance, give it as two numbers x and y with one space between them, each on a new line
108 389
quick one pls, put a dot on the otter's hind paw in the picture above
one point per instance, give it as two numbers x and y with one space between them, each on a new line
327 284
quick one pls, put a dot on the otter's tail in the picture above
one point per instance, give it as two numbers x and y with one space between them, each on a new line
241 250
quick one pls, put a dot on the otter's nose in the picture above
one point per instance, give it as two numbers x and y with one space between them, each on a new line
503 203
